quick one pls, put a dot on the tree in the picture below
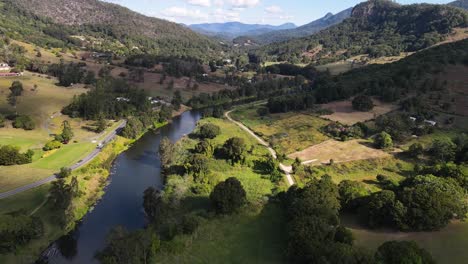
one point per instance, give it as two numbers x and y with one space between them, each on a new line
67 133
133 129
407 252
204 147
177 100
443 150
415 150
10 155
383 209
209 131
166 152
352 194
234 149
228 196
64 173
2 121
383 141
363 103
198 164
18 229
16 88
101 125
212 65
432 202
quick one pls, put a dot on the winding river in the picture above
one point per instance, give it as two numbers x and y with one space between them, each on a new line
133 171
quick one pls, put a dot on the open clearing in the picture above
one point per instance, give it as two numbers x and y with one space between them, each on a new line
344 113
288 132
339 151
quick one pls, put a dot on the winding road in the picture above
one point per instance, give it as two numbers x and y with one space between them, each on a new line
286 169
75 166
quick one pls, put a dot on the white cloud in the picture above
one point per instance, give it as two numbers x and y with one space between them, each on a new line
243 3
221 15
203 3
274 9
181 13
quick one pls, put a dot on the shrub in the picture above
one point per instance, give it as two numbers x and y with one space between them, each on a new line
392 252
25 122
228 196
54 144
415 150
64 172
10 155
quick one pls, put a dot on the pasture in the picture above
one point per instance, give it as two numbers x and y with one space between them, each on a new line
288 132
339 151
344 113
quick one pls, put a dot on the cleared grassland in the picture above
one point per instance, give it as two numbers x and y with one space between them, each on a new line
447 246
344 113
41 104
287 133
340 151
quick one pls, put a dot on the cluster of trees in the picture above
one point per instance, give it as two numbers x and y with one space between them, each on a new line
344 132
11 155
308 72
136 125
172 66
24 122
18 229
62 193
103 101
363 103
406 28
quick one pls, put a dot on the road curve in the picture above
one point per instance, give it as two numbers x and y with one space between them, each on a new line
286 169
76 166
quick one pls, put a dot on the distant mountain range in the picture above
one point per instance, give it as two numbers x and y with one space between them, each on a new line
232 30
302 31
460 3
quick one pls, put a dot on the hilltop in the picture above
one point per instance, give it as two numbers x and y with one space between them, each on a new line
313 27
378 28
88 20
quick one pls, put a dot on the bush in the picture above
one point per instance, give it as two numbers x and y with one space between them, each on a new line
415 150
383 141
25 122
54 144
228 196
10 155
363 103
443 150
64 173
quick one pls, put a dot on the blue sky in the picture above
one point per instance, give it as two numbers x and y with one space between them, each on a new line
248 11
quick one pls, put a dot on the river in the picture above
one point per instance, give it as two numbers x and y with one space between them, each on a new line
122 204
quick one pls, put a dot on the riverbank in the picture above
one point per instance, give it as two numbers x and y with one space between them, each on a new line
92 181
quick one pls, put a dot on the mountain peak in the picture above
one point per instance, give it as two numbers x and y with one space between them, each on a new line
368 8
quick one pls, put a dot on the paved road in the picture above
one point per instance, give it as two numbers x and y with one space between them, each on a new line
78 165
286 169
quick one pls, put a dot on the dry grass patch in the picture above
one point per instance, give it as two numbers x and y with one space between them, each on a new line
344 113
340 152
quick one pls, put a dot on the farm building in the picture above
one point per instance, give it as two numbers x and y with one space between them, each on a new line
5 67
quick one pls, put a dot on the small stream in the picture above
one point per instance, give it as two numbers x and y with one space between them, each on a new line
122 205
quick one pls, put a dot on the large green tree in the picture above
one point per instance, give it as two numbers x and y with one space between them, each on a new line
228 196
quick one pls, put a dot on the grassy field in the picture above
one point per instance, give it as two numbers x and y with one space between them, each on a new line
340 151
249 237
365 171
288 133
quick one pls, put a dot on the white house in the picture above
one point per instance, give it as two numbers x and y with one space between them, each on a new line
430 122
5 67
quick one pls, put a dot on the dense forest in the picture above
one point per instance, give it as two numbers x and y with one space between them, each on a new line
378 28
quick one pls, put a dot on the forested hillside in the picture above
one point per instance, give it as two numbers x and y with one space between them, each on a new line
414 75
460 3
378 28
302 31
232 30
96 22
